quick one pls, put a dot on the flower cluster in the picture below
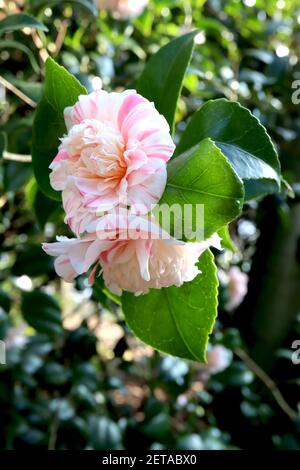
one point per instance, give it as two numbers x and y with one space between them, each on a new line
111 169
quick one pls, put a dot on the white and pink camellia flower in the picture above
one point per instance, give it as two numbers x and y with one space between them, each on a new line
134 255
114 153
218 359
237 286
122 9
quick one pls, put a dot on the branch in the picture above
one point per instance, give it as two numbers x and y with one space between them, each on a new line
61 35
39 45
17 92
16 157
53 432
268 382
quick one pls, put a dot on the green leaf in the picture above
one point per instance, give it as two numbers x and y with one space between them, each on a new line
54 373
16 174
32 261
287 188
43 206
176 320
61 90
42 312
161 80
203 175
227 241
158 427
20 21
86 4
105 433
242 139
21 47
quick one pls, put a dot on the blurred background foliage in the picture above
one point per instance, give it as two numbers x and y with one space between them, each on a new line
75 378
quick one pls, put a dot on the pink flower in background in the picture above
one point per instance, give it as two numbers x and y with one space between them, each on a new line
237 286
122 9
16 337
218 359
115 152
147 258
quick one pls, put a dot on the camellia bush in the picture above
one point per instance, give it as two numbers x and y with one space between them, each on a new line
120 328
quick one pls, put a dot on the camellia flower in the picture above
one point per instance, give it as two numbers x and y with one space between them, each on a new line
122 9
218 359
138 257
237 286
114 153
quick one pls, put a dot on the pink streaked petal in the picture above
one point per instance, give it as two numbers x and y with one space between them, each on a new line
135 159
143 249
102 203
87 185
130 102
78 256
145 133
64 269
122 191
58 180
60 247
152 166
85 108
91 278
121 253
95 249
62 155
150 191
137 177
71 201
138 120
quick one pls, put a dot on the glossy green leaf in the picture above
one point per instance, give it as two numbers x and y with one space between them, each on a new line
202 175
175 320
61 90
161 80
21 47
44 207
227 241
20 21
55 373
15 175
242 139
42 312
105 433
32 261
